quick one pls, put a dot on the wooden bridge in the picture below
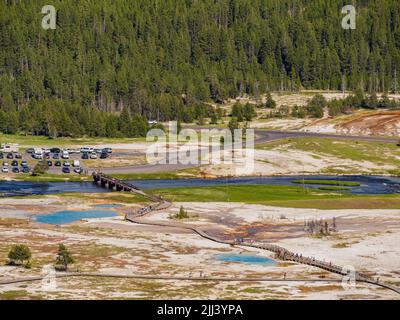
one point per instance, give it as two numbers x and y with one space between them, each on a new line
119 185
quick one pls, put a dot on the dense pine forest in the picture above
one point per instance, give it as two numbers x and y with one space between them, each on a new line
166 59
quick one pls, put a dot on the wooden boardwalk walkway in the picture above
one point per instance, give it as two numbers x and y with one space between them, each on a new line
166 278
161 204
119 185
280 252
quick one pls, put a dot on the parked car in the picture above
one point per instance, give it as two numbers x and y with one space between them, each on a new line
93 155
66 170
18 156
98 150
49 163
108 150
37 153
1 155
5 164
104 155
30 150
15 170
65 155
25 169
24 163
85 149
56 156
4 170
78 170
14 163
10 156
57 163
55 150
85 156
67 164
76 164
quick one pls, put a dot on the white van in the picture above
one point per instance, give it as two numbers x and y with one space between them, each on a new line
37 153
9 147
76 163
65 154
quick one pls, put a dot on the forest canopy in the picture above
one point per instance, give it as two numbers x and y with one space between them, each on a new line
164 59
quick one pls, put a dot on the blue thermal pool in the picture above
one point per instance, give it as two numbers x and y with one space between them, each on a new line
67 216
245 258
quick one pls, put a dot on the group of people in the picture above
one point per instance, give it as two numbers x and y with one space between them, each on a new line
285 254
144 210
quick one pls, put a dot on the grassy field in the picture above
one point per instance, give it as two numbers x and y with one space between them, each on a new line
115 197
282 196
180 174
48 177
329 182
333 188
110 197
145 176
379 153
32 141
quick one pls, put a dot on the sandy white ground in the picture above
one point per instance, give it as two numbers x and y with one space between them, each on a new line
284 161
371 238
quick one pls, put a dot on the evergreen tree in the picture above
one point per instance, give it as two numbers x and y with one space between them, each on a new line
64 257
167 60
270 103
233 125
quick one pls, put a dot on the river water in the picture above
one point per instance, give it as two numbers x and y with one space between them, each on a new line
369 184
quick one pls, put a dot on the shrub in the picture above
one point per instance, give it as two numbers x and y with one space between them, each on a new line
18 254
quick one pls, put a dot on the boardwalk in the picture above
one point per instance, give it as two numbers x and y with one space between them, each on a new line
165 278
280 252
119 185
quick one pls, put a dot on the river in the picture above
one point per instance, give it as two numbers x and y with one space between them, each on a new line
369 184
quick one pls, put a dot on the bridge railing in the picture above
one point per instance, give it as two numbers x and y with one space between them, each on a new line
98 176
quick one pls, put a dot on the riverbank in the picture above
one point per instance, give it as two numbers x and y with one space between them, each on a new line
178 175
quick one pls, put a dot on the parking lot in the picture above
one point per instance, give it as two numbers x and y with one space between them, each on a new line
52 160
